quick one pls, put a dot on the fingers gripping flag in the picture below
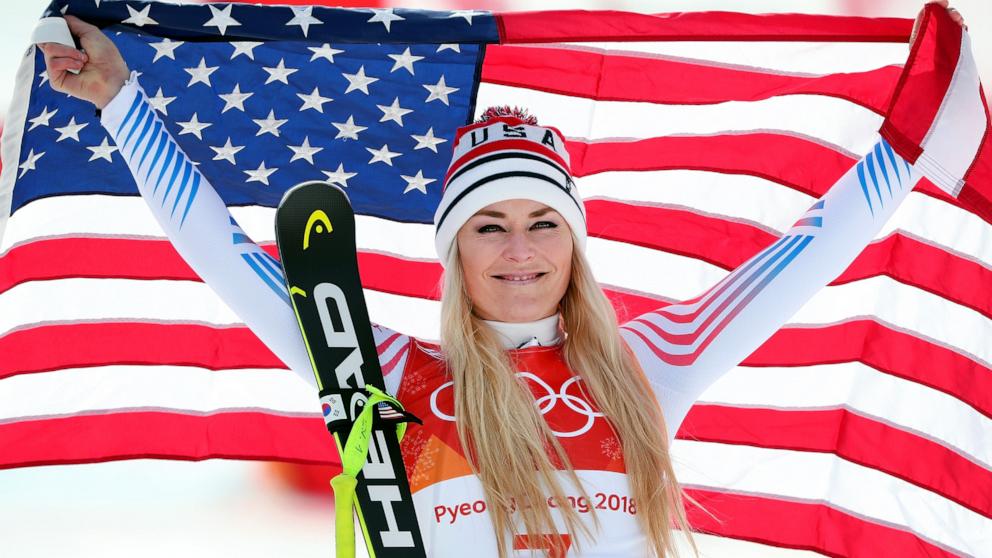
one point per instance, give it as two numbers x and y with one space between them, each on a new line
860 427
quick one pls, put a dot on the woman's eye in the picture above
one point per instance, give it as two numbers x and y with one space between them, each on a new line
490 228
544 225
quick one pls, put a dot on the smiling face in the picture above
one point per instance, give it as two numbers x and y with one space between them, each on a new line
516 256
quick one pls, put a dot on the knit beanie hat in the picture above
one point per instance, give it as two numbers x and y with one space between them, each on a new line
506 156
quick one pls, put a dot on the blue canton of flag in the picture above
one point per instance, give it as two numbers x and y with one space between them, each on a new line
261 107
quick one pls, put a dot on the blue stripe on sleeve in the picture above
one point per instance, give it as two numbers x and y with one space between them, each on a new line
192 197
892 158
874 179
881 164
152 141
138 121
130 113
864 186
190 170
268 280
274 270
165 165
146 125
180 163
163 141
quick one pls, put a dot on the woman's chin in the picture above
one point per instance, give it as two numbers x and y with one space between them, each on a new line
526 313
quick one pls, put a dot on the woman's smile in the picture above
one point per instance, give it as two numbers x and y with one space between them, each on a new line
516 256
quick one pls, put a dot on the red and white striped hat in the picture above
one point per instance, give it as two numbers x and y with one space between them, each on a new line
506 156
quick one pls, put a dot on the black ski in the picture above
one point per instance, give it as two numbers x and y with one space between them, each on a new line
315 231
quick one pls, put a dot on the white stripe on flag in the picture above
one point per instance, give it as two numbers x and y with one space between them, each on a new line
836 122
75 300
823 478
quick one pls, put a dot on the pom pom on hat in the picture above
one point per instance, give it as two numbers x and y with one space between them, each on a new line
520 114
506 155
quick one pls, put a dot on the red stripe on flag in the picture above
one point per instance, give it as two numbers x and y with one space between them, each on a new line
132 343
717 241
803 525
853 437
114 343
577 25
888 350
920 91
779 158
164 435
619 77
728 244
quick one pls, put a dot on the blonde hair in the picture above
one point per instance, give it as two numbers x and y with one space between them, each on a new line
510 446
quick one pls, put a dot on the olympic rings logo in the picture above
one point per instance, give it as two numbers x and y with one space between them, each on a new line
544 403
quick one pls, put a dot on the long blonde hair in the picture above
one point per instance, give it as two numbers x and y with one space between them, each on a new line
510 446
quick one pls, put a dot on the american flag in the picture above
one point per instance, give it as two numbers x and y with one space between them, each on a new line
862 428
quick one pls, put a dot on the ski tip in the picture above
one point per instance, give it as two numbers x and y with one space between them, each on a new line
314 185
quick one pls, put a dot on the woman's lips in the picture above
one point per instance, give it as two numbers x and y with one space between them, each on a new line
520 278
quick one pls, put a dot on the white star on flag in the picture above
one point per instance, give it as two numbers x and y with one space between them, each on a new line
160 101
261 174
313 101
235 99
404 61
44 78
428 141
339 176
141 18
449 46
382 155
193 126
304 151
384 16
201 73
226 152
467 14
246 48
324 51
166 48
221 19
70 130
302 17
417 182
279 73
359 81
102 151
269 125
393 112
28 163
348 130
439 91
42 119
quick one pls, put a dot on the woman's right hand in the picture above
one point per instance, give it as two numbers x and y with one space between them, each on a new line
101 68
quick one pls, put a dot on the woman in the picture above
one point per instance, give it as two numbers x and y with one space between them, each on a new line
564 417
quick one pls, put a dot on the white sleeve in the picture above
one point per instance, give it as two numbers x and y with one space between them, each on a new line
202 230
684 348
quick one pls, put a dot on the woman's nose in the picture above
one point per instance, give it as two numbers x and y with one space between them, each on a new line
519 248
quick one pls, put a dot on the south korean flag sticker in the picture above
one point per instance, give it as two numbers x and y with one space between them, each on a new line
332 407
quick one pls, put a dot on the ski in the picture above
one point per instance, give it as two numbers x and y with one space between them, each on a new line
315 233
